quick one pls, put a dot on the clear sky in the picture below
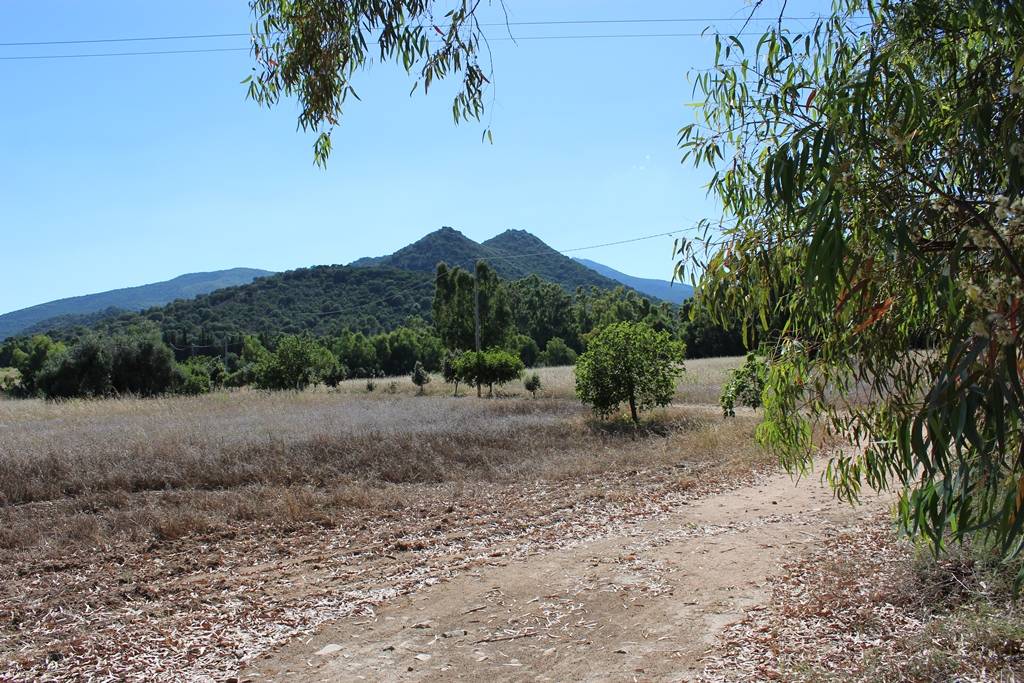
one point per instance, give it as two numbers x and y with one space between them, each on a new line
119 171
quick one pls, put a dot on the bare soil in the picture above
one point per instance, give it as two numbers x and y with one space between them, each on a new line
646 602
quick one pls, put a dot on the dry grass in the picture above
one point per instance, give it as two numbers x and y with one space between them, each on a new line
700 384
86 472
148 517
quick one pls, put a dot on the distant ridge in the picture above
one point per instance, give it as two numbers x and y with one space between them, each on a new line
513 254
369 295
81 308
665 290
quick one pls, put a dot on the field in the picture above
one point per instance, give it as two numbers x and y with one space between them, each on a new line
122 504
230 535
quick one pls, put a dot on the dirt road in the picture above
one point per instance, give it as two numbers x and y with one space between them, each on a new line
643 604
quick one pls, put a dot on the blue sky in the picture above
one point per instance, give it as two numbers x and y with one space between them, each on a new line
120 171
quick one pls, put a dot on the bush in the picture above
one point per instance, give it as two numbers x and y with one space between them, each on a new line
745 386
30 360
532 384
420 376
142 365
193 378
83 371
556 353
629 363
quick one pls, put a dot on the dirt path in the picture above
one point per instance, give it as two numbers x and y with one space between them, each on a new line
644 604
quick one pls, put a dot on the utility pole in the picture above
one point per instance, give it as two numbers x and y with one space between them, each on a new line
476 309
476 318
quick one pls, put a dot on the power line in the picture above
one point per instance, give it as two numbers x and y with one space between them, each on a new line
86 55
124 54
566 22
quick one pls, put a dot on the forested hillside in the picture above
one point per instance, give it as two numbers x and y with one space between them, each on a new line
87 309
513 254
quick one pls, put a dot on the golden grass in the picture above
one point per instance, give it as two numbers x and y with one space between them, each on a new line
98 471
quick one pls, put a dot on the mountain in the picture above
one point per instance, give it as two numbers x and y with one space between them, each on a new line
82 309
370 295
661 289
513 254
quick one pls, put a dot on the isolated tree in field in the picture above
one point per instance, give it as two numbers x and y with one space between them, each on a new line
629 363
420 376
532 384
488 367
871 172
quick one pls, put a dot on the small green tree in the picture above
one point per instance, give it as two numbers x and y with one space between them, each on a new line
420 376
629 363
500 367
745 385
297 362
532 384
448 369
488 367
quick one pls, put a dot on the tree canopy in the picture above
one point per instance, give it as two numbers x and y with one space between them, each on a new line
870 174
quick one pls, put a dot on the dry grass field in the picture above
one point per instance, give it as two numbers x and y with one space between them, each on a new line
120 504
188 538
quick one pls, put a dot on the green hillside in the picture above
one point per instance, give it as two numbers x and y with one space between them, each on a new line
370 295
86 309
321 300
513 254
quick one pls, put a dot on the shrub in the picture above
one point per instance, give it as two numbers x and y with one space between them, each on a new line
420 376
629 363
745 385
193 378
532 384
143 366
83 371
555 353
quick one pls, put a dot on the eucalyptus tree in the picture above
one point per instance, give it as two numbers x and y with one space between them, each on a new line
869 171
312 50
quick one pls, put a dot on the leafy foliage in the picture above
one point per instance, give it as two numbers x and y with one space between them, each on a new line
629 363
312 50
297 362
745 385
871 170
490 367
420 377
556 353
532 384
456 296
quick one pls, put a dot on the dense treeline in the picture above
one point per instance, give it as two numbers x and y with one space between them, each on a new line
530 321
